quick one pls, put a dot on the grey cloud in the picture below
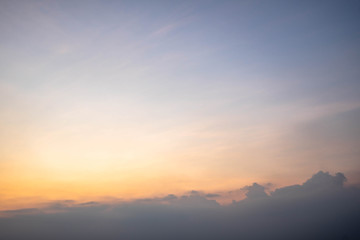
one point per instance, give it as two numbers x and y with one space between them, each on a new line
194 192
320 208
23 211
255 191
318 183
325 180
89 203
212 195
169 197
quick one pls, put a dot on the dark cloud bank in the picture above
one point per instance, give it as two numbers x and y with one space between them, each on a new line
320 208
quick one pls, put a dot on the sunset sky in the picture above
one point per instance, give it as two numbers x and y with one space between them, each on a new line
135 99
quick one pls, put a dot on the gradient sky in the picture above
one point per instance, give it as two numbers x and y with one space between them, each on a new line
141 98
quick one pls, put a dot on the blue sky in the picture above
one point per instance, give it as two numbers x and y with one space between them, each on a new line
197 94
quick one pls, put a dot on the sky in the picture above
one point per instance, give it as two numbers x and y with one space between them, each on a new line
140 99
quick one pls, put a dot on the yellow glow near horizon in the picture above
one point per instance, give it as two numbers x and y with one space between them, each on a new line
128 100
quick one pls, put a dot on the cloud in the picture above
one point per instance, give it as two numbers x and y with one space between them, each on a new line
255 191
323 180
320 208
318 183
23 211
170 197
212 195
164 30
